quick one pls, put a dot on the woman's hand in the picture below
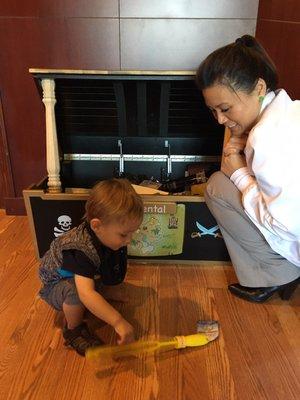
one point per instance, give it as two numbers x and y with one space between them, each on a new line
124 331
232 162
235 144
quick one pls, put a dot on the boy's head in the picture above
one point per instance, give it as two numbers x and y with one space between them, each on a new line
114 211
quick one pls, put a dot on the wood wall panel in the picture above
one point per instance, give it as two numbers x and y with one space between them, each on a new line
25 129
93 43
289 10
65 8
285 57
36 42
142 46
189 9
6 179
278 29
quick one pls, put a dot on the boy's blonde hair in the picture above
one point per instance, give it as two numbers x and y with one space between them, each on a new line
114 199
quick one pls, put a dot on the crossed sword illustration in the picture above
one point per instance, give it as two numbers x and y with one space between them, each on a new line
204 231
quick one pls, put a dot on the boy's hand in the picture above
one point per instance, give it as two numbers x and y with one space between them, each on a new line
124 331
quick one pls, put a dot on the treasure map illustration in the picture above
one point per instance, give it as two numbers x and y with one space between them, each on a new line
159 234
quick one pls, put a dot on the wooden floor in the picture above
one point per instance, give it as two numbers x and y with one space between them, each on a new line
257 355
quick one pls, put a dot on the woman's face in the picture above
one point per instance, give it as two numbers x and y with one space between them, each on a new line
238 110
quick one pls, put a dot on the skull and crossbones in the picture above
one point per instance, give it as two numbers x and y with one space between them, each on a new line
64 222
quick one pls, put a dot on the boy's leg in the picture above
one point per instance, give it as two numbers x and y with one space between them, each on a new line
74 314
64 296
255 263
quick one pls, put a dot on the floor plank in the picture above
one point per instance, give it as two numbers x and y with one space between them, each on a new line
256 356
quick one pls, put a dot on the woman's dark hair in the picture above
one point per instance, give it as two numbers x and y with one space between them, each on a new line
238 65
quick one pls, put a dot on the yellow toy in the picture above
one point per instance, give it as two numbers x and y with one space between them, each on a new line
148 347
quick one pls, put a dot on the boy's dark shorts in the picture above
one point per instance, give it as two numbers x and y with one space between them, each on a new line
63 292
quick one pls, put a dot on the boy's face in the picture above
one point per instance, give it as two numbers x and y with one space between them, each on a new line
114 234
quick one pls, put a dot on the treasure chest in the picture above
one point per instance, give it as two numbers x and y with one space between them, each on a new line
151 127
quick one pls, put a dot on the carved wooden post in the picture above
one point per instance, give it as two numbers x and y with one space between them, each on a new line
53 166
